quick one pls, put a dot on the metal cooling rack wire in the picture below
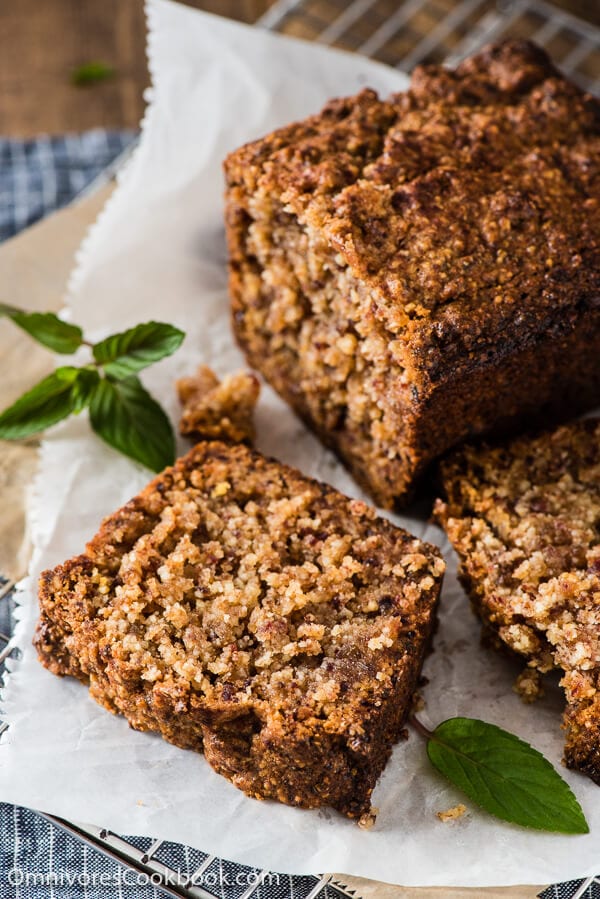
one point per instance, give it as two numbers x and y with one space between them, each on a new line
170 881
418 31
6 588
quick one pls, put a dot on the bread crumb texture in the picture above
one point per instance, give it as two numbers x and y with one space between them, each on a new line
411 271
525 520
218 410
246 611
528 685
452 814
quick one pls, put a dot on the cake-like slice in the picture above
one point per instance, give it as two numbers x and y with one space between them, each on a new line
412 271
248 612
525 521
218 410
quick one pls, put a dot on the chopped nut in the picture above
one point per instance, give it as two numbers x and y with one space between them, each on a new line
221 488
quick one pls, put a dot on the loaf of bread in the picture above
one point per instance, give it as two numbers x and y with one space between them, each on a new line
524 519
245 611
412 271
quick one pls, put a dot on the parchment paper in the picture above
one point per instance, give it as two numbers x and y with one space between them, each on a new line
158 251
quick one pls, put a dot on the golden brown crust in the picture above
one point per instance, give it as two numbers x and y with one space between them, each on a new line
244 610
525 521
393 262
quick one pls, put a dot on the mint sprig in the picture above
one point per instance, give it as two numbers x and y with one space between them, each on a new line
503 775
47 328
91 73
45 404
122 412
125 354
115 405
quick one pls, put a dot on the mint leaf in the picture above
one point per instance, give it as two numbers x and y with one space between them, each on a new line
83 387
47 328
91 73
48 402
504 775
122 412
125 415
124 354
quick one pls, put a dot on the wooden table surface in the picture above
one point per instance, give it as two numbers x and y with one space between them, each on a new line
43 41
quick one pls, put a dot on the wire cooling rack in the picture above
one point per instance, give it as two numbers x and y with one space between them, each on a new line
6 588
402 35
441 31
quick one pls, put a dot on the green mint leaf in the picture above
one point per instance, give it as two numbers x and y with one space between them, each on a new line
48 402
91 73
124 354
125 415
8 311
505 776
46 328
83 387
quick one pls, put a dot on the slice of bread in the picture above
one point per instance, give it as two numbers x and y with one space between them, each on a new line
524 519
246 611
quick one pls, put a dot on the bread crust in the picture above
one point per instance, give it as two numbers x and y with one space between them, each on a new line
245 611
412 271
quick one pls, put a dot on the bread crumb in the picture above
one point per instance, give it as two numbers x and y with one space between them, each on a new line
366 821
528 685
218 410
451 814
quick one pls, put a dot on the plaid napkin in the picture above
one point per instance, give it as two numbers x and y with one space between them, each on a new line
40 175
38 860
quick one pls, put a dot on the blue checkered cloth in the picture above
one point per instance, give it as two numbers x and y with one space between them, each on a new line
37 859
40 175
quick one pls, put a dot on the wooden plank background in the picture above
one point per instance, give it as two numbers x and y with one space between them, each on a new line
43 41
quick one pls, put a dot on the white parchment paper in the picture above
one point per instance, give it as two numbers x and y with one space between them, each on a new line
158 252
